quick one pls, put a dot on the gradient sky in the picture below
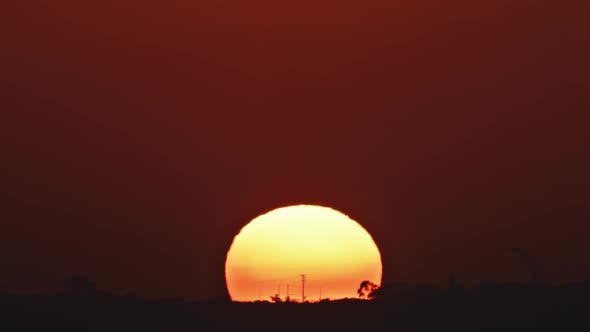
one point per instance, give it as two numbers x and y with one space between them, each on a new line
138 137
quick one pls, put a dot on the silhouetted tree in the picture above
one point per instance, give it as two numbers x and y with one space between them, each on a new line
453 283
455 288
367 290
79 286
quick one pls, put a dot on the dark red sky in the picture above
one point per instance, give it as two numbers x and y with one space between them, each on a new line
138 137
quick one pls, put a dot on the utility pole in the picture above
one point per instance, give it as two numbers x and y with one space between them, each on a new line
303 276
320 293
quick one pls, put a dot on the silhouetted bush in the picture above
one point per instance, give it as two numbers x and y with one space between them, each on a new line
79 286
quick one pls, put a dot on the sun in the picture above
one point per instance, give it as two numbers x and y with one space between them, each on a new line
303 252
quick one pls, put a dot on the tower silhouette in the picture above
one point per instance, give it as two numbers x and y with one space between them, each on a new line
303 277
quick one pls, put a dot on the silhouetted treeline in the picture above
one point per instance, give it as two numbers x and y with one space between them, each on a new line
488 307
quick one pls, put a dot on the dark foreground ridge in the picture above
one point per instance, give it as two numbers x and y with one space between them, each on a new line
488 307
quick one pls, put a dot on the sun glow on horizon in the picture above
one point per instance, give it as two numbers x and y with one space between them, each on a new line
270 254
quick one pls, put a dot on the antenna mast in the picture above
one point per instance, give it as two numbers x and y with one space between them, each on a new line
303 277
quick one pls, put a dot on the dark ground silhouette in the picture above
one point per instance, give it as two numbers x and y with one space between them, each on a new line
488 307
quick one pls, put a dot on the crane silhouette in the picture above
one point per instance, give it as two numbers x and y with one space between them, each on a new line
529 262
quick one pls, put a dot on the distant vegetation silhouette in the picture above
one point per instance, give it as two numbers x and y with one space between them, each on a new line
276 298
79 286
490 306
